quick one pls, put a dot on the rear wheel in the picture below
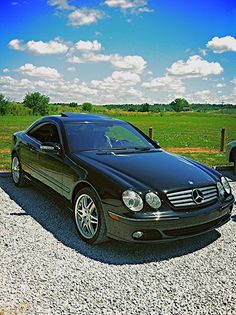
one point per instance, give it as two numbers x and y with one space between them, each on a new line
89 217
17 173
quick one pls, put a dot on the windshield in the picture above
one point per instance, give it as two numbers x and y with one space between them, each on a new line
86 136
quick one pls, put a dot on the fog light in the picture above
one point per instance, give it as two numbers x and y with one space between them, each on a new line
137 234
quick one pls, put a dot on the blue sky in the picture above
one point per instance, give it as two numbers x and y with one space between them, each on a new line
119 51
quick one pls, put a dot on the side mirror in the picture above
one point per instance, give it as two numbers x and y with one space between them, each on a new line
50 147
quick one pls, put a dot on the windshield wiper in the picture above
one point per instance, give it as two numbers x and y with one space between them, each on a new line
120 149
126 148
143 148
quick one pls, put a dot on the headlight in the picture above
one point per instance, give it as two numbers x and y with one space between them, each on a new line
220 189
225 185
132 200
153 200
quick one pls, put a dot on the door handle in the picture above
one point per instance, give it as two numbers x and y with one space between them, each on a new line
32 148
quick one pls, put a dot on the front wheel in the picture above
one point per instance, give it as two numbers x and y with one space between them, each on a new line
89 217
17 173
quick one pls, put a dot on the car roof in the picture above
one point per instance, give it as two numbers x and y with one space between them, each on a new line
81 117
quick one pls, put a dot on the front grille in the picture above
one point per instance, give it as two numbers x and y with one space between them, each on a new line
185 198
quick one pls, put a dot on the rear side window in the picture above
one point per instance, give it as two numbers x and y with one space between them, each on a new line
45 133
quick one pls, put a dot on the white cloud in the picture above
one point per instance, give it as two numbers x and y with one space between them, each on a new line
165 83
85 46
85 16
234 81
39 72
74 59
222 44
117 80
78 16
132 63
195 66
89 58
145 10
220 85
12 87
15 44
135 6
71 69
202 93
61 4
208 96
125 4
118 88
54 46
129 63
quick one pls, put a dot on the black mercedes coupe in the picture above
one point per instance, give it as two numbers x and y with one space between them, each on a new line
119 183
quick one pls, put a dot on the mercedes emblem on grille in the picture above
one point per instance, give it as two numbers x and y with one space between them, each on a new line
197 196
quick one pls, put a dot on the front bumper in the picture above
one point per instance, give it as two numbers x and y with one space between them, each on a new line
168 225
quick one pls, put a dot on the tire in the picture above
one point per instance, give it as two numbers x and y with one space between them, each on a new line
234 160
89 217
17 174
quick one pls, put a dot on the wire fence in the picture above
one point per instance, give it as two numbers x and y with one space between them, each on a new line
191 139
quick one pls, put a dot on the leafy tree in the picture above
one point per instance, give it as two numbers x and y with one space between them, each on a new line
178 104
145 107
87 107
37 102
3 105
73 104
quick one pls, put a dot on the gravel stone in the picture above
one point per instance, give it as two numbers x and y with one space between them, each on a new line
46 269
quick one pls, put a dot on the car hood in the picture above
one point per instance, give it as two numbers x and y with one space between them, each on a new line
158 169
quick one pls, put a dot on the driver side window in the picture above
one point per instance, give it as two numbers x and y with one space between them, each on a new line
45 133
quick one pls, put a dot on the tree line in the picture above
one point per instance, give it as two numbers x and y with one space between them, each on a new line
39 104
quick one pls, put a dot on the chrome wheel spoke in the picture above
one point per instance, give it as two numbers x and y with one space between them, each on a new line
90 228
84 225
80 212
91 207
84 202
93 219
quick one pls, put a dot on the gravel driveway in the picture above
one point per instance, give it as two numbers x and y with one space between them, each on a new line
46 269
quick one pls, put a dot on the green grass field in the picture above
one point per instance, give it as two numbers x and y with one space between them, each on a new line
179 132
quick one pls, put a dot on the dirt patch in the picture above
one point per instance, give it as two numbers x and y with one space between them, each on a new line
174 150
192 150
6 150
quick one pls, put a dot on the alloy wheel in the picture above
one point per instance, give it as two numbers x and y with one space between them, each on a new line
15 169
86 216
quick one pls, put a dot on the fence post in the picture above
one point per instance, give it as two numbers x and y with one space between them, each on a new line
151 133
222 140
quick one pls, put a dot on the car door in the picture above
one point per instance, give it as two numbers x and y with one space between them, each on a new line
29 151
48 167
